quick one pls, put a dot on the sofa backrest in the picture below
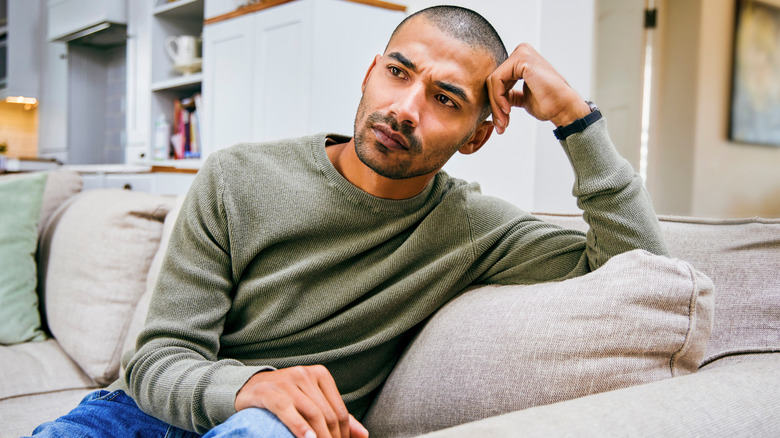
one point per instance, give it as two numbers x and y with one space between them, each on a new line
742 257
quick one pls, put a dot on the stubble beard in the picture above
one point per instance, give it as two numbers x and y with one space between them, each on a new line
371 152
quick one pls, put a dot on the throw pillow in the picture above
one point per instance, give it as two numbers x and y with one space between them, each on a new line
99 247
495 349
20 199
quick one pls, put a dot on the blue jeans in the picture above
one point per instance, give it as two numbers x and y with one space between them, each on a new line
115 414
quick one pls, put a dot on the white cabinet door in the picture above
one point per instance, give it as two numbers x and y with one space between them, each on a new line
139 82
227 83
23 54
282 57
289 70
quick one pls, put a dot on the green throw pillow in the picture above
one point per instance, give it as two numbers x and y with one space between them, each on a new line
20 206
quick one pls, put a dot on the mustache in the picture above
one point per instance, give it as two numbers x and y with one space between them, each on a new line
415 145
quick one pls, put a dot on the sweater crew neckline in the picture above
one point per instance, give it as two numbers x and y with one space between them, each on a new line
318 144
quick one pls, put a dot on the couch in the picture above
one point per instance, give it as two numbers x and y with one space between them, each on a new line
646 345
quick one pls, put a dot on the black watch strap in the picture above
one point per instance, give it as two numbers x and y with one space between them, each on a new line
579 125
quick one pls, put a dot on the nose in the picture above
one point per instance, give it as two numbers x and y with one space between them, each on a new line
407 105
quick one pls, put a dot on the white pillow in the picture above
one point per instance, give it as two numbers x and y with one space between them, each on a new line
497 349
98 252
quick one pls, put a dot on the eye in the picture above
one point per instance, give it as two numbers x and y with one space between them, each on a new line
395 71
444 100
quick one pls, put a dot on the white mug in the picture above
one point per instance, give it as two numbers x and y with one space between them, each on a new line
182 49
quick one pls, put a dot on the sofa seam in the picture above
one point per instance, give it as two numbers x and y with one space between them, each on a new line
738 352
470 272
19 396
692 322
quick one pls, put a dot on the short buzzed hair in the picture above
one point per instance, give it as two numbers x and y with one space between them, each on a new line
466 26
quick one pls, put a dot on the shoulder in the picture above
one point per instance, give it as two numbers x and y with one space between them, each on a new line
469 195
257 153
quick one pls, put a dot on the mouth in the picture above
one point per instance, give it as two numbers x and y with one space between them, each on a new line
389 138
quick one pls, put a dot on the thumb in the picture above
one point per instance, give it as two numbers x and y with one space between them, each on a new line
356 430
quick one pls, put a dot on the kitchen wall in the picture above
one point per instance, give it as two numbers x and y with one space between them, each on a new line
19 129
694 169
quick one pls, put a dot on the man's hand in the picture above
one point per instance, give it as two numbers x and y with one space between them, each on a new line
305 399
545 95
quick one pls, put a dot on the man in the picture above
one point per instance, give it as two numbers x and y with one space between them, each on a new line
297 271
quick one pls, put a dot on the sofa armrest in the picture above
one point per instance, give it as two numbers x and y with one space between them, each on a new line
738 399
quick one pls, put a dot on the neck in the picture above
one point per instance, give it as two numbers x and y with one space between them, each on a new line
347 163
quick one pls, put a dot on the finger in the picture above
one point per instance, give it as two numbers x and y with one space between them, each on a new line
356 430
321 412
331 392
497 92
312 411
292 418
499 116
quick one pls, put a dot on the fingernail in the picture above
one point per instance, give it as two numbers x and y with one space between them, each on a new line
310 434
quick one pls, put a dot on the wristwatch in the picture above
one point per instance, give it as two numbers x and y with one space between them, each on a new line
579 125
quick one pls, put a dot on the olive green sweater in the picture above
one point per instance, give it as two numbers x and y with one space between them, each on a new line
276 260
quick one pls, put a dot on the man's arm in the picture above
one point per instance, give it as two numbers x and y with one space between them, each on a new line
615 203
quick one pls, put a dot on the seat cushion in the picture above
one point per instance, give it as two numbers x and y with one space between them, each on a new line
21 415
637 319
741 399
97 252
38 367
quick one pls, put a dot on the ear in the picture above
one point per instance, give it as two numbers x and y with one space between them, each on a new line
481 135
368 73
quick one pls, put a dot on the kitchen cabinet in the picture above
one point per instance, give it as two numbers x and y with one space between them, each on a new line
161 183
20 37
289 70
75 19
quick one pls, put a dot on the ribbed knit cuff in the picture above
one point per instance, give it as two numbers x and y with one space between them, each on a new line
597 164
221 390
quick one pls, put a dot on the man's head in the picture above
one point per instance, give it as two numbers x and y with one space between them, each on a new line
426 98
466 26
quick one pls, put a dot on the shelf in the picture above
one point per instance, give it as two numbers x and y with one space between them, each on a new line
181 9
181 83
182 165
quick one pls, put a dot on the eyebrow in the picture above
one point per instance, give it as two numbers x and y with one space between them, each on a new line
403 60
446 86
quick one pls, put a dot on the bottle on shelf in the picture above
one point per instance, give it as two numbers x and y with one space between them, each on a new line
162 138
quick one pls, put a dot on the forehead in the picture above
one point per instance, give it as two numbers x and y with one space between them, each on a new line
441 56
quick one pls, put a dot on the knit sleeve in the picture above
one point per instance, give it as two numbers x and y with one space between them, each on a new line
513 247
176 373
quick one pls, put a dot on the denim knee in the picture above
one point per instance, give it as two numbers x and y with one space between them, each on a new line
254 422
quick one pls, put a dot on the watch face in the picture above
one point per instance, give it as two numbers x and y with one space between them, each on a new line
592 106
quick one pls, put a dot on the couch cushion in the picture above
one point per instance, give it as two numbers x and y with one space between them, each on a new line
139 316
60 185
98 249
21 206
738 400
742 257
496 349
38 367
24 414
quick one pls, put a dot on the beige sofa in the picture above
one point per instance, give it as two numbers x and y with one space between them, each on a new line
614 353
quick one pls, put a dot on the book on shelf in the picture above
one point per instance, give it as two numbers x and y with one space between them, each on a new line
185 139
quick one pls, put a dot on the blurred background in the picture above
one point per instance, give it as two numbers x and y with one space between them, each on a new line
690 88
